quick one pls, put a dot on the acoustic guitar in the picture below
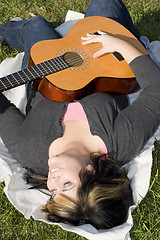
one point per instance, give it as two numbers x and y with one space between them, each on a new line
66 69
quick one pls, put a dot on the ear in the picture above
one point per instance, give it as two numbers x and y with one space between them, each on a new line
90 168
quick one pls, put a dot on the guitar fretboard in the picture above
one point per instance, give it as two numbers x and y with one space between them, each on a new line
29 74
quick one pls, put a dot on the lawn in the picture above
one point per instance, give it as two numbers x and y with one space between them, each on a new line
146 16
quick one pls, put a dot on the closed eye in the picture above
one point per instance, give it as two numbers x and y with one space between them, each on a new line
67 186
71 187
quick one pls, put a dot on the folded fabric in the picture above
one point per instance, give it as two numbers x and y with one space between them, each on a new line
29 201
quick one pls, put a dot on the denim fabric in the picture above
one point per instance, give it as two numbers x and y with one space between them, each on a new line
114 9
21 35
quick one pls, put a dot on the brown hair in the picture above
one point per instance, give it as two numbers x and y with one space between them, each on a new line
104 197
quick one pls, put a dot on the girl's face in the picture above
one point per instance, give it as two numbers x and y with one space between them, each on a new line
63 176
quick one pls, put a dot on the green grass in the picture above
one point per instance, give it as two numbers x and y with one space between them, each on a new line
13 225
146 16
147 215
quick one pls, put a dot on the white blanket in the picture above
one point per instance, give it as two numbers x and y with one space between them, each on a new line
29 201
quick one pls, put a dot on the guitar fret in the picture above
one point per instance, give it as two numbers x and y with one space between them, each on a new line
59 67
45 63
65 65
61 61
51 65
33 72
45 70
38 67
30 71
24 72
3 84
56 67
20 77
15 78
9 81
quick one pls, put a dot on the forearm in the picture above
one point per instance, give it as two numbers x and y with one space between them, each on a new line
146 71
128 51
4 103
138 122
10 118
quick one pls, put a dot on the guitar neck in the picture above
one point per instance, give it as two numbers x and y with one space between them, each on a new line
30 74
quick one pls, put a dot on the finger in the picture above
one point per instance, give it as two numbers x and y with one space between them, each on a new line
85 38
88 40
91 41
99 53
101 32
89 35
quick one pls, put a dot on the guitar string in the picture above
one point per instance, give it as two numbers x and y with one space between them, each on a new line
45 67
39 69
24 72
19 79
54 64
51 66
58 63
61 65
89 50
11 83
77 60
2 83
14 77
7 83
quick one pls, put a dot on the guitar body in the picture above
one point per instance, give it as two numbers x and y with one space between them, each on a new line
104 74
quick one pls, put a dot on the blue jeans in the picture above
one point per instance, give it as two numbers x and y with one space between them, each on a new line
21 35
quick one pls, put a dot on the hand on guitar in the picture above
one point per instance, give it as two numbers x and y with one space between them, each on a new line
112 44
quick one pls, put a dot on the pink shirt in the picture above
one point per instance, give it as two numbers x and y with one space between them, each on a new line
75 111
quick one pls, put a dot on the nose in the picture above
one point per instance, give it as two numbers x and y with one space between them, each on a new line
56 177
54 182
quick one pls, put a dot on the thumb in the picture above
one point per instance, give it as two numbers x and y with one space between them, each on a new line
99 53
101 32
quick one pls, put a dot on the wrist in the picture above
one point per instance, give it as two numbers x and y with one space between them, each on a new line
128 51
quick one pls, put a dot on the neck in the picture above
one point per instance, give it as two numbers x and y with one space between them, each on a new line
77 136
77 146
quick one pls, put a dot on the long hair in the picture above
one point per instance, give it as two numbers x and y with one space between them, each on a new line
104 197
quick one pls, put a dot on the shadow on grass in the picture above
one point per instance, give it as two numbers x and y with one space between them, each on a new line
146 26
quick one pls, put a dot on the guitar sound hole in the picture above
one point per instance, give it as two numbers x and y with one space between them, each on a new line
73 59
